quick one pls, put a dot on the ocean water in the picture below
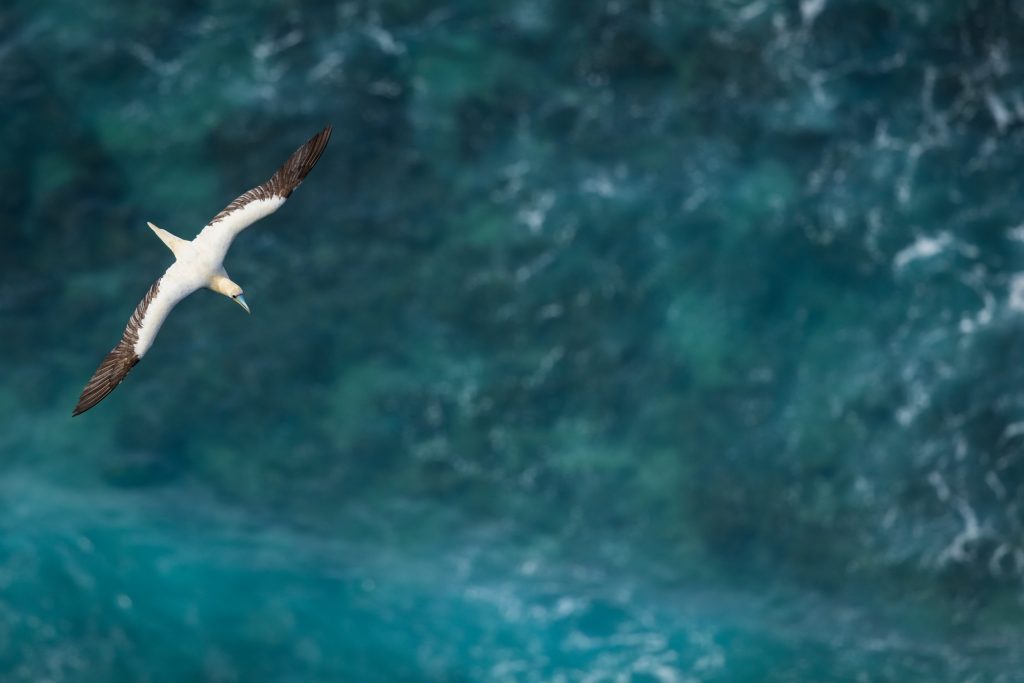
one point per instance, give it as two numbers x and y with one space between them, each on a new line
626 340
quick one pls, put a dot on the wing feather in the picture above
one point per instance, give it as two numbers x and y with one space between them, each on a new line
120 361
264 199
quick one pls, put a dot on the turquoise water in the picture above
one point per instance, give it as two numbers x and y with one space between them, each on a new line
612 341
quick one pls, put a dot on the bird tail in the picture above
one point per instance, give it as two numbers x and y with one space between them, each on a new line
173 242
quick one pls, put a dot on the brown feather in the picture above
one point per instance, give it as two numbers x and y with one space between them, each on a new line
285 179
119 362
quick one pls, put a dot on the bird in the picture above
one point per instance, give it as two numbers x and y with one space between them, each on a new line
198 263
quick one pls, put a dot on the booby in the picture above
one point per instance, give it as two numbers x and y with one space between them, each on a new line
198 263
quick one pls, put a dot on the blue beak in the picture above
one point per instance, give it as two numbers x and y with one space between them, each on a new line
240 300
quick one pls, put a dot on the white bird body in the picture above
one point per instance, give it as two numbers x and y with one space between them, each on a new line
198 263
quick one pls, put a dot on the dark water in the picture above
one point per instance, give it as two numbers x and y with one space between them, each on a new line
609 341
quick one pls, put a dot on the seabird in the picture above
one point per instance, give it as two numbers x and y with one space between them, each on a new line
198 263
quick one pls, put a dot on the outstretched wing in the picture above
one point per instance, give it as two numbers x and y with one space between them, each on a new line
265 199
142 327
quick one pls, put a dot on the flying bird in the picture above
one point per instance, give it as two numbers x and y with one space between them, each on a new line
198 263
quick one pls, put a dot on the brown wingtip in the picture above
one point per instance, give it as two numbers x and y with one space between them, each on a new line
287 177
111 372
121 359
301 162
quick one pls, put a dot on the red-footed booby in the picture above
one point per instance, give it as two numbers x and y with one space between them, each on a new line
198 263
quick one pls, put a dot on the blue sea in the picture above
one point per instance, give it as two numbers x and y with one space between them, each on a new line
640 341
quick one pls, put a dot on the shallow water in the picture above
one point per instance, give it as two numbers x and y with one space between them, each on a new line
637 341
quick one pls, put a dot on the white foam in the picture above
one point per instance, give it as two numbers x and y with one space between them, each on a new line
1016 233
810 9
923 248
1000 113
1016 299
752 11
958 549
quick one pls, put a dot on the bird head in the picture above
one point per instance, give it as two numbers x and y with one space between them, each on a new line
223 285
